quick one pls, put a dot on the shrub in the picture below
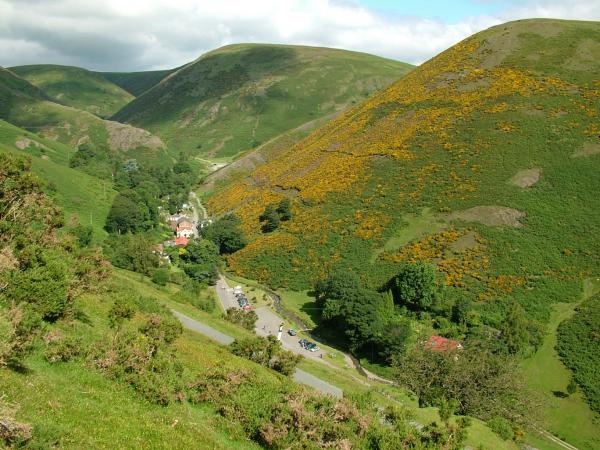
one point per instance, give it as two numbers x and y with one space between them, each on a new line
246 319
501 427
123 308
60 348
266 352
19 327
160 276
12 432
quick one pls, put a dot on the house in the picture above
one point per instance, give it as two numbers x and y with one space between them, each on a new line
185 228
181 241
175 218
442 344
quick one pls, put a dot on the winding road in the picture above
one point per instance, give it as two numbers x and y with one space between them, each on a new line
300 376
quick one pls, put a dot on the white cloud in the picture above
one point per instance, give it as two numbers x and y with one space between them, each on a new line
149 34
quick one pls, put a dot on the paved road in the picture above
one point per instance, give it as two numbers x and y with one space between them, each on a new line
268 323
201 328
300 376
225 294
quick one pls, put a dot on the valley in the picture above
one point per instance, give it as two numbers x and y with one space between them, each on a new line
283 246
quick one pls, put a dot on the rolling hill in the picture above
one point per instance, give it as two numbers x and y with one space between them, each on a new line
483 162
136 83
238 97
26 106
76 87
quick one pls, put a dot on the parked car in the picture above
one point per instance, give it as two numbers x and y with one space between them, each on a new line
312 347
292 332
303 343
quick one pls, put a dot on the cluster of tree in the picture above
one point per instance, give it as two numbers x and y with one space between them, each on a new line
367 317
267 352
474 381
274 214
225 233
577 344
199 261
132 252
142 190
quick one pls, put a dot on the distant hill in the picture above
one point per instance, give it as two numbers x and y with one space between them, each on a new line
76 87
136 83
238 97
28 107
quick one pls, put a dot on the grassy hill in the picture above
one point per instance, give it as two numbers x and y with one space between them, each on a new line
26 106
238 97
136 83
76 87
79 194
483 161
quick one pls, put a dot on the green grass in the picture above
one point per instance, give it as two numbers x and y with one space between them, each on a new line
234 99
76 87
72 407
547 374
78 194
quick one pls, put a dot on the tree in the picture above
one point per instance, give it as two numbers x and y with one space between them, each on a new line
225 234
499 391
415 286
270 219
337 286
124 215
160 276
460 309
284 211
518 332
571 387
84 234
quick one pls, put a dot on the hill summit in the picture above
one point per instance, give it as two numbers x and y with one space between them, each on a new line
482 161
240 96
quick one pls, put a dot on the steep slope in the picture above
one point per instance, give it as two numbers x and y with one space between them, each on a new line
484 161
26 106
79 194
76 87
136 83
240 96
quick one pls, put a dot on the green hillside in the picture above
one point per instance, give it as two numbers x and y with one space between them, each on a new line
136 83
79 336
482 162
26 106
76 87
238 97
80 195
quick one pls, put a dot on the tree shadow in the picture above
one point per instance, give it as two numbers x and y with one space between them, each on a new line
560 394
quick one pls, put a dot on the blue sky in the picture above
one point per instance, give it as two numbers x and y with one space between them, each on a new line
448 11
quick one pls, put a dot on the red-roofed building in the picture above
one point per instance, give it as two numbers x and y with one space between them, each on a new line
442 344
181 241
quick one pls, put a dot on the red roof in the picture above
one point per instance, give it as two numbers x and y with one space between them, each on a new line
182 241
441 344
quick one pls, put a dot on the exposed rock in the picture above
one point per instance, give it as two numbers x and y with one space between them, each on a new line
526 177
489 215
126 137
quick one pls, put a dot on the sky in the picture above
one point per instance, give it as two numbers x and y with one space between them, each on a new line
135 35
